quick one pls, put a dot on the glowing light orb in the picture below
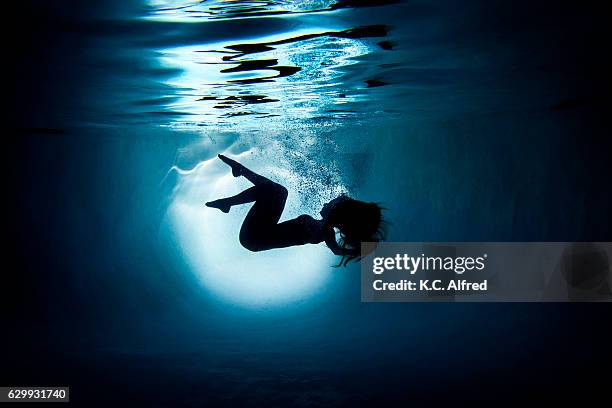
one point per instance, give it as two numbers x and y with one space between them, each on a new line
209 241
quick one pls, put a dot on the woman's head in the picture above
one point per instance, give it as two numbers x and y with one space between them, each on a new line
357 222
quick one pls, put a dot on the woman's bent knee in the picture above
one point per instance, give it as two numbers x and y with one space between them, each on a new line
251 244
274 189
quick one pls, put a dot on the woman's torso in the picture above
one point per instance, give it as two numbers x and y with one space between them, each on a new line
302 230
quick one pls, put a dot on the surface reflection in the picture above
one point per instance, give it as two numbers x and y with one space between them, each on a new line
296 75
230 9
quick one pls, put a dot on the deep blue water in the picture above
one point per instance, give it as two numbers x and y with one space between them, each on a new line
481 121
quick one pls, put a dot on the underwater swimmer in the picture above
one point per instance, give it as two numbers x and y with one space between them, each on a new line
356 221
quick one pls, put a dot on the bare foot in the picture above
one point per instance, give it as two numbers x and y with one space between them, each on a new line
236 167
219 205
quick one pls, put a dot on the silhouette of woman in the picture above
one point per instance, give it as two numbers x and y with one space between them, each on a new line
356 221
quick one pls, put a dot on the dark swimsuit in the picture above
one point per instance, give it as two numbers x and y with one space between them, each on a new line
301 230
261 231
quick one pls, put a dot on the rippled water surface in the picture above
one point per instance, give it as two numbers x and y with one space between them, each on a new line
317 70
221 9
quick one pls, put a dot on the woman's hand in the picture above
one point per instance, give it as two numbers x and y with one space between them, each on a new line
330 241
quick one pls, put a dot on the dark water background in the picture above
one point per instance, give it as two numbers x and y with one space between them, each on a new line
480 121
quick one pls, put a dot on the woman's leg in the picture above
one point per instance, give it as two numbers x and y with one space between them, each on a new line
239 170
257 232
247 196
224 204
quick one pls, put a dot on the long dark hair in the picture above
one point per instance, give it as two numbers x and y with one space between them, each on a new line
357 222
